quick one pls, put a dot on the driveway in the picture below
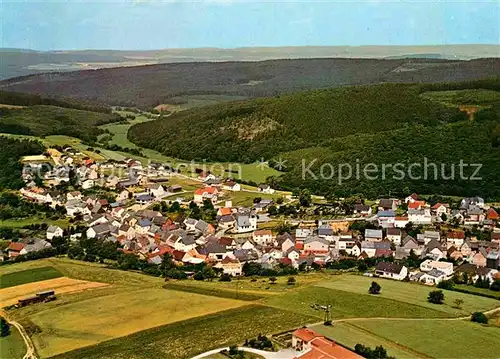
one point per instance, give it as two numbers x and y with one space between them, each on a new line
282 354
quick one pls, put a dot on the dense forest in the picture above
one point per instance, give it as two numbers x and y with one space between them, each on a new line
10 155
442 148
380 124
26 99
43 120
148 86
250 130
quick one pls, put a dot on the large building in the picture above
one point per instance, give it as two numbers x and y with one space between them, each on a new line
311 345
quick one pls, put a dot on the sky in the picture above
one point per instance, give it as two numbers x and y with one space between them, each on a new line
155 24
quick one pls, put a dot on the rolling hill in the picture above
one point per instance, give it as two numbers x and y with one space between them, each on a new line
22 62
149 86
25 114
379 124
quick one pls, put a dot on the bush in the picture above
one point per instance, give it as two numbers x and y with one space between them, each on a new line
374 288
479 317
225 278
436 297
446 284
291 281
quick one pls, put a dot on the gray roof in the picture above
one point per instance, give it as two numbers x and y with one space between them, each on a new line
373 233
325 231
389 267
311 239
53 229
243 220
436 273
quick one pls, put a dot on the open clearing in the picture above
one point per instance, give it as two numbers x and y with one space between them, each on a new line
28 276
62 285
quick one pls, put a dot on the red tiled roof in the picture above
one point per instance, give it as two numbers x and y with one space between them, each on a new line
306 334
16 246
416 204
437 205
323 348
456 234
299 245
492 214
286 261
178 255
224 211
225 241
383 253
209 190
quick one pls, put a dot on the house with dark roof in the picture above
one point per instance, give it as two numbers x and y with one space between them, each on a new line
391 271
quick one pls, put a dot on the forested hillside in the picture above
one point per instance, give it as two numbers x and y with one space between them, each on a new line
149 86
26 99
43 120
249 130
10 154
380 124
441 147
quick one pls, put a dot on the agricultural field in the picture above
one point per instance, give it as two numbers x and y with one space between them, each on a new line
12 346
10 296
94 320
439 339
138 316
349 305
194 336
412 294
28 276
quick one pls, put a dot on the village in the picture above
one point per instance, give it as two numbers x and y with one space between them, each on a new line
436 240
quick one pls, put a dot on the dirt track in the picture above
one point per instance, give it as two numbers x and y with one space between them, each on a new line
9 296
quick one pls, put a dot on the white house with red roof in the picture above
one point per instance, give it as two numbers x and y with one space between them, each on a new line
204 193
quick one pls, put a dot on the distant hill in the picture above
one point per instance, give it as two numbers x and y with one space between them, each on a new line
149 86
386 123
34 115
21 62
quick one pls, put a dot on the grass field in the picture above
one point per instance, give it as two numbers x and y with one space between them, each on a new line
439 339
194 336
19 223
473 289
12 346
412 293
350 335
243 198
135 317
28 276
349 305
93 320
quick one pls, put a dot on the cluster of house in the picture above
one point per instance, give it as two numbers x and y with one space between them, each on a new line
472 211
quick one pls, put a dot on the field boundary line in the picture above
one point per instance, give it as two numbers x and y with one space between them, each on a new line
30 347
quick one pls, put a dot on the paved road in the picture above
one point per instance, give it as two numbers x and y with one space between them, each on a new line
30 348
282 354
